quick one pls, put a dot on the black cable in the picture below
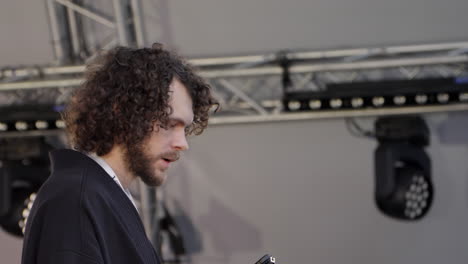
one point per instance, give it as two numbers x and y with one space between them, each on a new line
356 130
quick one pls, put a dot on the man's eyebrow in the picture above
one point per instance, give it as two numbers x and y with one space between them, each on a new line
180 121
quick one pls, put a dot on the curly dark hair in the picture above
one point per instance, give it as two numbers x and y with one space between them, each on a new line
126 92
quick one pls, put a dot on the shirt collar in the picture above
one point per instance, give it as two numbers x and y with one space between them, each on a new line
111 173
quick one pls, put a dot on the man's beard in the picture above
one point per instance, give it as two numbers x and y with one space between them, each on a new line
141 165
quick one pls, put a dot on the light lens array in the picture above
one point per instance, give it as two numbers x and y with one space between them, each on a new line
336 103
31 125
378 94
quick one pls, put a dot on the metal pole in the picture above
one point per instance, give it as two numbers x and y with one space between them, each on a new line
33 72
273 118
73 32
337 114
106 46
274 70
138 23
40 84
311 67
86 13
380 63
148 210
311 55
244 97
121 23
55 30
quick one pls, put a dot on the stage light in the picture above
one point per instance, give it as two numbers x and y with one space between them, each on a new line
357 102
315 104
403 186
380 94
26 211
60 123
3 127
41 124
25 167
26 118
418 193
443 98
421 98
13 221
463 97
336 103
378 101
399 100
21 126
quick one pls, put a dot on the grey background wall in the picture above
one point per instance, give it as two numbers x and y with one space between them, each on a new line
24 33
210 27
299 190
10 248
207 27
303 191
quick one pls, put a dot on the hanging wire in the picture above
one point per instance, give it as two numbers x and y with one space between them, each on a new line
356 130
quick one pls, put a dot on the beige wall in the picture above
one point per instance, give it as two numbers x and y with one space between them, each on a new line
303 191
10 248
212 27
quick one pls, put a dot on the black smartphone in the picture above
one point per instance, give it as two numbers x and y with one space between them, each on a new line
267 259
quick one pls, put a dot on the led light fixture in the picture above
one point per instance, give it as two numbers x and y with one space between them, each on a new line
403 184
24 167
381 94
30 118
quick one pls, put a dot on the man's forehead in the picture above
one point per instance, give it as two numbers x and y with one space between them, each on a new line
181 103
178 89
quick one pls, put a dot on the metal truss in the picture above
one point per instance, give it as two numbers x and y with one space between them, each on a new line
67 19
46 85
250 88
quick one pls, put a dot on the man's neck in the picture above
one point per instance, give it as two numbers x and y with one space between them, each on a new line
115 159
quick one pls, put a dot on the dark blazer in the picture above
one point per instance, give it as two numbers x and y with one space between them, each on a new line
81 215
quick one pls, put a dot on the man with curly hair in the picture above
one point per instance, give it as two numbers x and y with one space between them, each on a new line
128 120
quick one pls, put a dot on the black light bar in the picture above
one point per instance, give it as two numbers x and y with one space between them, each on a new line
22 118
382 94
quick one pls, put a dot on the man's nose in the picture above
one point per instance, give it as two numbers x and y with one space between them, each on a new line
180 142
